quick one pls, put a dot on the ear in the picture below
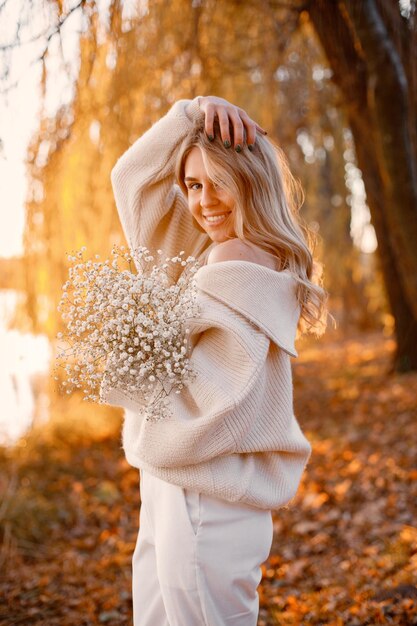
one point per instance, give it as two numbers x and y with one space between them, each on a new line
197 225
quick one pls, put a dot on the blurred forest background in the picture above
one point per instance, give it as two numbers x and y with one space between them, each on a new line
335 84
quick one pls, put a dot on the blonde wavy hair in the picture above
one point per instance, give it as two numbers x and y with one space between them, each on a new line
268 200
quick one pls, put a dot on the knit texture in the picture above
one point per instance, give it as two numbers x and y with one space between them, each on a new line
233 432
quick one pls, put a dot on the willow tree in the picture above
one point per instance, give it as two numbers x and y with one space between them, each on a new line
132 68
131 71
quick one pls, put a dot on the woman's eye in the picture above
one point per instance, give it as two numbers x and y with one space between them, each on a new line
193 185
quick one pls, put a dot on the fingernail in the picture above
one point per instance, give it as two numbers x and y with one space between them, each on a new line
238 148
227 143
210 137
251 147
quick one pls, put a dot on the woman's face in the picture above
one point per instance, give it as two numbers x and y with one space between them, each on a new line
206 200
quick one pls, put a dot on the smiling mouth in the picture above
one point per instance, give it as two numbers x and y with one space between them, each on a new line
216 219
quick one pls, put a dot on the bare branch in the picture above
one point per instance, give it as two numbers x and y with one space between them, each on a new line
45 35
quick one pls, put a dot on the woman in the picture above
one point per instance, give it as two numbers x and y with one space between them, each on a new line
233 450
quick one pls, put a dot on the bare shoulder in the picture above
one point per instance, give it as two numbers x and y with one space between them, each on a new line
231 250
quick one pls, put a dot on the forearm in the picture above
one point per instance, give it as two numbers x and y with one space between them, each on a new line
143 181
151 154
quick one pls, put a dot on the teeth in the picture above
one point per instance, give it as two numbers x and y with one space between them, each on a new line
217 218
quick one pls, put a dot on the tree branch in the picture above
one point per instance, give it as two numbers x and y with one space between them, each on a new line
45 35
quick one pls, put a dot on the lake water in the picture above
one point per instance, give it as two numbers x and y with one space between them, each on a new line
24 362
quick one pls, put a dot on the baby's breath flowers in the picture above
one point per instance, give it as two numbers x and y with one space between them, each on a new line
126 330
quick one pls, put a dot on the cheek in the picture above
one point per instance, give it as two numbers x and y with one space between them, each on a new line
193 206
229 201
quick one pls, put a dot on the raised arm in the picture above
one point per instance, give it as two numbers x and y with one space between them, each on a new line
152 208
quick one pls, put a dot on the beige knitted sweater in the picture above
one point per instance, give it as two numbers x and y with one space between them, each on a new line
233 433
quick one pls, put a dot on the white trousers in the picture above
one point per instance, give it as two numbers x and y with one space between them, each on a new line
197 560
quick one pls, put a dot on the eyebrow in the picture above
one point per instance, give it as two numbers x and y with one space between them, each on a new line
190 178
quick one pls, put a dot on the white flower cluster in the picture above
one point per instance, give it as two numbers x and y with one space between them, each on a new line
126 329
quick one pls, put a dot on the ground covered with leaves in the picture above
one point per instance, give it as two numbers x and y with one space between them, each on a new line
344 551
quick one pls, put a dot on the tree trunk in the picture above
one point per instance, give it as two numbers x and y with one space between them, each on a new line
388 103
381 175
405 357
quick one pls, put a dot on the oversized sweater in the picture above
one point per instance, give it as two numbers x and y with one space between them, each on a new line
233 432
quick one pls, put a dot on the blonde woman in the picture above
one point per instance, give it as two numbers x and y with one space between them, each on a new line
204 179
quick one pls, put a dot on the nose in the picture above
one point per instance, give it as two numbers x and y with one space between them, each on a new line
208 196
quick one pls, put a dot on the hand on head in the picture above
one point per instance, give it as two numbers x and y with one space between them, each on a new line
227 114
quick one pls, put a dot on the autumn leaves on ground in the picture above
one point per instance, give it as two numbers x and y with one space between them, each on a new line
344 552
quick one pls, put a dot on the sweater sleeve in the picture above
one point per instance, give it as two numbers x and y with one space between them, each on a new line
209 417
153 210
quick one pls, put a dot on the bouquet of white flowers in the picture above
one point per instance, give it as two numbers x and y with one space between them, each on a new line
127 330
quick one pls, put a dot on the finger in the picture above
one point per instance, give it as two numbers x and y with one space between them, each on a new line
248 120
224 126
238 131
262 130
209 121
250 128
